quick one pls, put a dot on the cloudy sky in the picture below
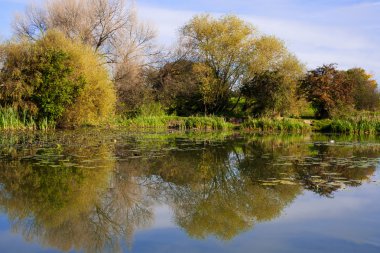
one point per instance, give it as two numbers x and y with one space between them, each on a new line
346 32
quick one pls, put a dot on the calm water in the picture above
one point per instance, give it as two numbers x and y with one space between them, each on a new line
112 191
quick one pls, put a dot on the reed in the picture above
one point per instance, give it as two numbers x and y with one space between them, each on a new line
12 120
276 125
175 122
362 125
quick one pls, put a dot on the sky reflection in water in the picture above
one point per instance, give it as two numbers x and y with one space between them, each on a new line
112 191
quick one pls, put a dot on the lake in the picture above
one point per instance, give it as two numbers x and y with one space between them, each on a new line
114 191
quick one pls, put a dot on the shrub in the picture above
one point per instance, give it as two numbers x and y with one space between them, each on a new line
276 125
56 79
151 109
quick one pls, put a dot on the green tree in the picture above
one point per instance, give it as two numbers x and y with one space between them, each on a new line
207 83
229 54
267 91
272 89
226 46
56 79
177 87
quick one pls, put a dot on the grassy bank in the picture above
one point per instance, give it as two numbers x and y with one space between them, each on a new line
175 122
11 120
360 126
276 125
354 125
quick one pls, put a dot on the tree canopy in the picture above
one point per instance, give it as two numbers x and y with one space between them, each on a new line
226 54
332 91
67 55
56 79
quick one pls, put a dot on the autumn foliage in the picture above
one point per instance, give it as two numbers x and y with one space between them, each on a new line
332 91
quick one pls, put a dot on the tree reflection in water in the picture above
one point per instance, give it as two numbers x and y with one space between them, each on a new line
89 191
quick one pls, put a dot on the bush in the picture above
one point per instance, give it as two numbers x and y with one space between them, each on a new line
56 80
356 126
276 125
152 109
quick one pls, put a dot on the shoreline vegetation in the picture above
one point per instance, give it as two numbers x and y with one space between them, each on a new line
110 72
358 125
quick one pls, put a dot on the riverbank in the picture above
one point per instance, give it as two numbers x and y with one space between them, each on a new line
176 122
360 125
353 125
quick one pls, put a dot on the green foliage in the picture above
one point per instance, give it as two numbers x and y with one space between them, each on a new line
176 122
56 80
323 125
43 77
228 53
10 120
356 126
269 94
54 89
177 85
223 67
151 110
358 123
276 125
210 122
225 46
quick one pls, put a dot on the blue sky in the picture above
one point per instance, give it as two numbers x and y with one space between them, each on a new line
346 32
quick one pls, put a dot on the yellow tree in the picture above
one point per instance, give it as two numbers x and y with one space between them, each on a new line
225 45
208 83
365 93
231 53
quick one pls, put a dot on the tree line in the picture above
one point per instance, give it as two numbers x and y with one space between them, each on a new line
80 62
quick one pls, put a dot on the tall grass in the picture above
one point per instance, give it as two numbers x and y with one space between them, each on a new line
358 123
355 126
276 125
175 122
11 120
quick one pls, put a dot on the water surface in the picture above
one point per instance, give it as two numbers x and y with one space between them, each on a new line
114 191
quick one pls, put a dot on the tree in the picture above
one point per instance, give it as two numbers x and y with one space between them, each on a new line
230 54
365 93
56 79
109 27
328 90
207 83
43 81
177 87
224 45
268 92
275 75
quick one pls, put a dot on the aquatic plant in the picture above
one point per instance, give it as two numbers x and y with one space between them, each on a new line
276 125
365 124
175 122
